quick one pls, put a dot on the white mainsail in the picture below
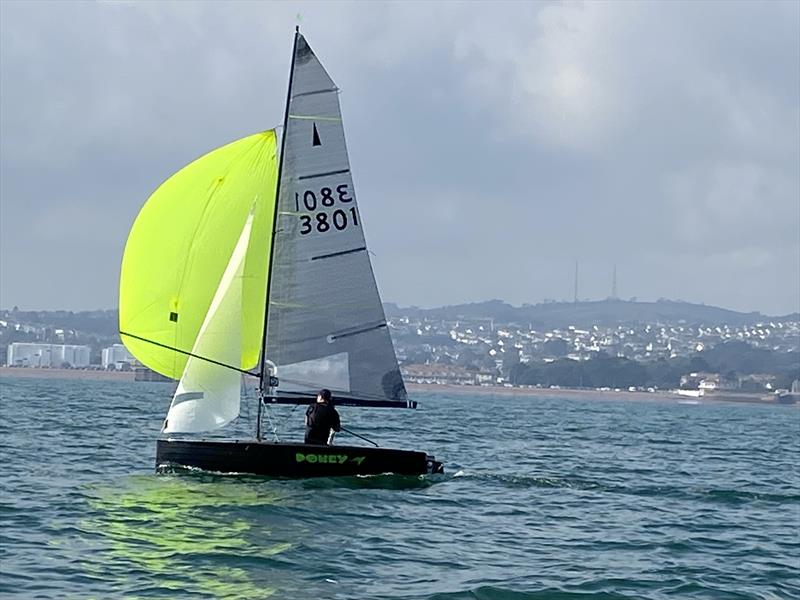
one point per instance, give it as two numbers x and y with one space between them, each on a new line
325 322
209 394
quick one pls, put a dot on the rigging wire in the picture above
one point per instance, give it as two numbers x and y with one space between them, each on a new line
184 352
271 424
286 420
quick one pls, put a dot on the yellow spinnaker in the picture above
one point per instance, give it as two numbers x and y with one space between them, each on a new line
181 243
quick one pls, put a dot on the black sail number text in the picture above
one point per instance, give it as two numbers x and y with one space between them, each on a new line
321 220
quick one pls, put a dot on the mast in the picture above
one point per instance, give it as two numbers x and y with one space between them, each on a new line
262 363
262 388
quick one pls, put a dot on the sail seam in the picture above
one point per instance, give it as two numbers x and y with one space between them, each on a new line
339 172
342 253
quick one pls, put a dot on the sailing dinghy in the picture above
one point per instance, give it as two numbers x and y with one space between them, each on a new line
249 263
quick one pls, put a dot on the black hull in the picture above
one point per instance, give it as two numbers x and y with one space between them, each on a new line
289 460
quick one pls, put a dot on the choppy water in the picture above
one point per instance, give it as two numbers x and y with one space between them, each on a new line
543 498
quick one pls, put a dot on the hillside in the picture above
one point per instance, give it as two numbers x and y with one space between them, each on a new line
103 323
585 314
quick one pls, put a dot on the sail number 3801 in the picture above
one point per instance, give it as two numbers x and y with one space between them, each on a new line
321 220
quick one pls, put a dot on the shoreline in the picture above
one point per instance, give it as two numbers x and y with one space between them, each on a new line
591 394
470 390
571 393
84 374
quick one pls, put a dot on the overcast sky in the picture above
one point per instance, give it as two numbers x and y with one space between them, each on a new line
492 145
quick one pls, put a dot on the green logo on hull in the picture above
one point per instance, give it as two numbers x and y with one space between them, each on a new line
327 459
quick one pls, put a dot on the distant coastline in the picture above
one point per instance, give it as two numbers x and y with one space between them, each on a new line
471 390
590 394
568 393
85 374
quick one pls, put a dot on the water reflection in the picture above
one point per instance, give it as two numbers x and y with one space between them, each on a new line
197 535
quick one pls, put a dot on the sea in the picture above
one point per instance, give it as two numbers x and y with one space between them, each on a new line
542 498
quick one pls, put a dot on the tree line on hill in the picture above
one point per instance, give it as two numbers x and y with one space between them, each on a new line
731 360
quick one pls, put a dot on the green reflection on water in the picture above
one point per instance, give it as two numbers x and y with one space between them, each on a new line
162 534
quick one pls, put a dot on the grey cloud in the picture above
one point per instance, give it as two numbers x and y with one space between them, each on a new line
492 144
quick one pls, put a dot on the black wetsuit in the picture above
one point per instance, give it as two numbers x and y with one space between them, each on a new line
320 419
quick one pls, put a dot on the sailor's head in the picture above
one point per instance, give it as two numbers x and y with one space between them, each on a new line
324 396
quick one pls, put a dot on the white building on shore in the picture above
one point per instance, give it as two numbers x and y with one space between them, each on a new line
116 356
29 354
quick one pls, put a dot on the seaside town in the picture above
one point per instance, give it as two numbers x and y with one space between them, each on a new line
484 351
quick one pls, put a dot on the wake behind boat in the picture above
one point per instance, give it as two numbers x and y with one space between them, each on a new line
249 264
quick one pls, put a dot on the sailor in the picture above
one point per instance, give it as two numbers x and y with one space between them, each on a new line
322 420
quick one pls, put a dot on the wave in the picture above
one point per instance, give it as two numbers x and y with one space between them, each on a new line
498 593
717 496
386 481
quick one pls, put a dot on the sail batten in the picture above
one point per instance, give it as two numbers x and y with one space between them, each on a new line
312 93
340 253
315 175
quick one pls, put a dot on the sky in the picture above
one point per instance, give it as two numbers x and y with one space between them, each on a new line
492 145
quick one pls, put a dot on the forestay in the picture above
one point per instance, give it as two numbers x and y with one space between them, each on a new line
325 323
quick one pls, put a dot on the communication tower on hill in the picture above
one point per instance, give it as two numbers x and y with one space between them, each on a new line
575 296
614 284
